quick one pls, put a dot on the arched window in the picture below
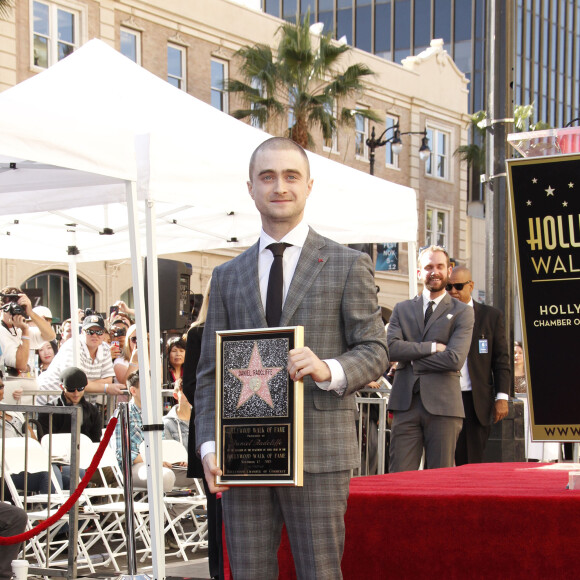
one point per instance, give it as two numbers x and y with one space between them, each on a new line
127 297
53 291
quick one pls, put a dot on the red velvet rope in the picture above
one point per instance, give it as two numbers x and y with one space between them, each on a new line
66 506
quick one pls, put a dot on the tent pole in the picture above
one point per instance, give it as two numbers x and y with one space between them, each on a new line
153 459
73 294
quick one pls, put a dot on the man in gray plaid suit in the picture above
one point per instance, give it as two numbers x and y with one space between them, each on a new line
330 290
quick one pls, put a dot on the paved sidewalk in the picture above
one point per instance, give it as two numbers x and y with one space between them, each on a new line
194 569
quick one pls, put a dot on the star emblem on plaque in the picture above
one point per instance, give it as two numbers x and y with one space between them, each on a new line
255 378
259 409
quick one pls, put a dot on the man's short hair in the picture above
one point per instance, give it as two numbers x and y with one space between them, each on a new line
133 379
278 144
431 249
9 290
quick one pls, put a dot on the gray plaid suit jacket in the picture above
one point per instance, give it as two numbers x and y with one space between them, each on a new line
410 345
333 295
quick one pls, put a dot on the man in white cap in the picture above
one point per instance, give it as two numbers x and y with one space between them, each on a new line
44 312
94 360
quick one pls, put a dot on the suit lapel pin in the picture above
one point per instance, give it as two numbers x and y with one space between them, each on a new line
320 260
450 316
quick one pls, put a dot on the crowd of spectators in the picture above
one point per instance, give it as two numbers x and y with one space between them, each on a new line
104 372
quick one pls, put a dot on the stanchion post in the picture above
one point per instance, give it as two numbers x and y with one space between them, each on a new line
128 491
73 525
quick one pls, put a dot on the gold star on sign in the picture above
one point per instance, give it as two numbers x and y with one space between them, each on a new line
570 185
565 203
535 180
550 191
528 202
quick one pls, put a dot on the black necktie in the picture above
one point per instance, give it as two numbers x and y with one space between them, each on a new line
429 311
275 285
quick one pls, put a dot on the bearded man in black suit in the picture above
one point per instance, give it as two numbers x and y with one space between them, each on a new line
486 375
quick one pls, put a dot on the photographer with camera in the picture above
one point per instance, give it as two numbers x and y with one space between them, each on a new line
19 339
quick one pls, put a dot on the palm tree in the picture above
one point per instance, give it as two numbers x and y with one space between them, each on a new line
5 6
474 153
302 81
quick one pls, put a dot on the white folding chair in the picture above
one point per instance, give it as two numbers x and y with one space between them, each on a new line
59 446
182 506
27 455
107 500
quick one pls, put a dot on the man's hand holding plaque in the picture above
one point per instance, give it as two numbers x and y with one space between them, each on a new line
303 362
211 470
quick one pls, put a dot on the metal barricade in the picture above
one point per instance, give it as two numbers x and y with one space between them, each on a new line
372 429
30 412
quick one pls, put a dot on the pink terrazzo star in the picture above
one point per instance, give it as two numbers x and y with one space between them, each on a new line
255 379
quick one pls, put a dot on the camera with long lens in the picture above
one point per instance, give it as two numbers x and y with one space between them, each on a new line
12 307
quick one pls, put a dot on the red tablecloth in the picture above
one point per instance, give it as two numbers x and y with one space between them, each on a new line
508 520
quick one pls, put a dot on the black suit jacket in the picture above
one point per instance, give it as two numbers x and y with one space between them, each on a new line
192 353
91 425
490 372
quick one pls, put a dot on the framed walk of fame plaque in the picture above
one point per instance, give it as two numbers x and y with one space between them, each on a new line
259 409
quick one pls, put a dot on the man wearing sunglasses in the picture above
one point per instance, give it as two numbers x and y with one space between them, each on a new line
94 360
429 337
73 382
486 374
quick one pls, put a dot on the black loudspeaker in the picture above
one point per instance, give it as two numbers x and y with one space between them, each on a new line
174 283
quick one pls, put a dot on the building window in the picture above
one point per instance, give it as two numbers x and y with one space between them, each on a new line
131 44
361 133
291 117
344 20
363 25
176 66
383 28
391 160
51 289
402 29
55 33
437 164
219 98
254 121
436 227
331 143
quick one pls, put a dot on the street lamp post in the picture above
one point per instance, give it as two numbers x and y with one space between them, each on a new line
396 143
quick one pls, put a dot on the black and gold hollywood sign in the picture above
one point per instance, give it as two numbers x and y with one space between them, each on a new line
545 202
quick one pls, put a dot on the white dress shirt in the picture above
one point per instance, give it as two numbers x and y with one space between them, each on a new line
464 379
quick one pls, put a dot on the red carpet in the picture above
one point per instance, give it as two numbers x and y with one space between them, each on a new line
496 520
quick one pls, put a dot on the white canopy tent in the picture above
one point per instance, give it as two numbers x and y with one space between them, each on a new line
87 140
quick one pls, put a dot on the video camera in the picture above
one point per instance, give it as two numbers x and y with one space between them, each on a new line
116 332
12 307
